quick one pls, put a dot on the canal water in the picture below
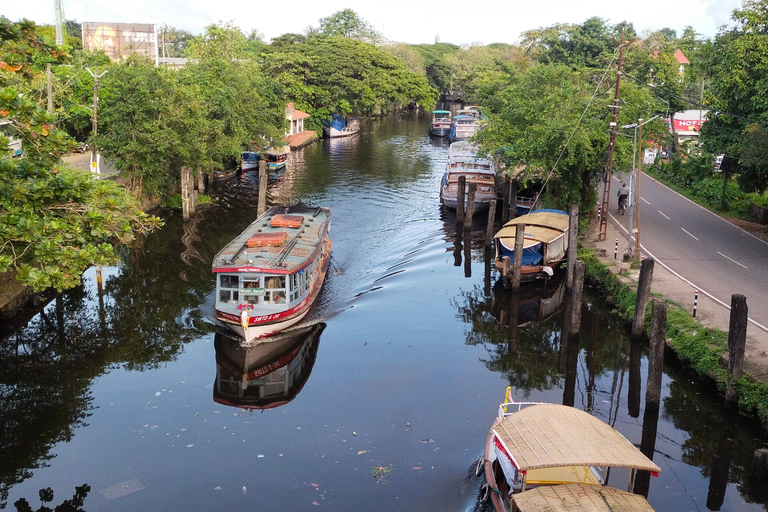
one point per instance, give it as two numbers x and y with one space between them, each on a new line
381 402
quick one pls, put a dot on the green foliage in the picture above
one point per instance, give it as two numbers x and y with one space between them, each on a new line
174 201
329 75
46 496
436 66
173 42
346 23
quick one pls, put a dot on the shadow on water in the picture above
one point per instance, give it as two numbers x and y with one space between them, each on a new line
113 385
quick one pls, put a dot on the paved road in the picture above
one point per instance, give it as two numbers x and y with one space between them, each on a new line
716 257
83 160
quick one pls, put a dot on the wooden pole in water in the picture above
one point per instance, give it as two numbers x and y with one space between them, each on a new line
470 206
573 234
186 192
505 201
737 339
656 354
579 268
460 193
489 231
512 204
262 188
200 179
518 257
643 292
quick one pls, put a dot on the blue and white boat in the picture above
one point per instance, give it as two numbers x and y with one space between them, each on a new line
340 126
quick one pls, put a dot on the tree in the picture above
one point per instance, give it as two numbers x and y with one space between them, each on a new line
54 221
346 23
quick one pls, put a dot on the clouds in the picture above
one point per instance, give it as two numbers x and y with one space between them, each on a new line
485 21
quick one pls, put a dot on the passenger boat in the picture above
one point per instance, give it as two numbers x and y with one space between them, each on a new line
544 248
441 123
578 498
463 160
340 126
537 444
269 276
470 110
276 158
464 127
249 160
265 374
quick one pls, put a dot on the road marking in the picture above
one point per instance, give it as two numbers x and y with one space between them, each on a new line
646 202
733 260
689 234
699 288
662 214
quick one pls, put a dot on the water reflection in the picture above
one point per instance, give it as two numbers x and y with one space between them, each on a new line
266 374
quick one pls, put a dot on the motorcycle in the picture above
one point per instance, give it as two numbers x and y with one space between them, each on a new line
622 205
82 148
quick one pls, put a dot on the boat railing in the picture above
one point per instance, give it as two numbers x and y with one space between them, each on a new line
508 408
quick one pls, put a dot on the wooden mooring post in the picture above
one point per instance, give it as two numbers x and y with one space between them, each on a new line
579 269
643 292
573 235
470 206
262 188
504 201
491 228
200 180
518 257
512 202
737 340
656 354
460 196
188 196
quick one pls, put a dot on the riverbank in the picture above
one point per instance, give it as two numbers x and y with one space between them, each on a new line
700 343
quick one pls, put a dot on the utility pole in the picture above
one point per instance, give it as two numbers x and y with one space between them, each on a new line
637 201
58 16
612 142
50 87
94 119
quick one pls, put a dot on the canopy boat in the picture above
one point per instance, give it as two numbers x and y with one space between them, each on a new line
249 160
276 158
578 498
441 123
463 161
544 247
340 126
536 444
264 375
464 127
470 110
269 276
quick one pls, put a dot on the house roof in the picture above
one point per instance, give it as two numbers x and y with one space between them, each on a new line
680 56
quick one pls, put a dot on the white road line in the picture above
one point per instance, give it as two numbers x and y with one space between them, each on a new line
662 214
689 234
649 253
646 202
733 260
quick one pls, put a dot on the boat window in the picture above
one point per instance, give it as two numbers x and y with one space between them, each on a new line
252 290
228 297
229 281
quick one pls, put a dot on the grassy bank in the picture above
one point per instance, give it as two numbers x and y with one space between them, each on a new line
700 348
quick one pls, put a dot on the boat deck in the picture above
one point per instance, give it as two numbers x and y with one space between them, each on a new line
297 247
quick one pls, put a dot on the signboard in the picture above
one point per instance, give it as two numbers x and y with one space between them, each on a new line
649 156
119 40
252 291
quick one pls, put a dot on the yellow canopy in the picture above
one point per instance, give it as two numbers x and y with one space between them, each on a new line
579 497
550 435
540 227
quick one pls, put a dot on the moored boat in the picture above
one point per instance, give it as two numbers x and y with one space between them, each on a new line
463 127
268 277
264 374
578 498
249 160
276 158
533 445
463 161
340 126
441 123
224 175
544 248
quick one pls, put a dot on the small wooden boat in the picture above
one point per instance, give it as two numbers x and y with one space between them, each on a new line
463 161
544 248
578 498
537 444
340 126
276 158
269 276
224 175
464 127
249 160
267 374
441 123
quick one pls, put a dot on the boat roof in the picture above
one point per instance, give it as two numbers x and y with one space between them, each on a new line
541 226
578 498
441 111
280 150
550 435
463 148
299 247
461 117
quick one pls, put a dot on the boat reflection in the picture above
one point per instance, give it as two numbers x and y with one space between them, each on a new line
535 303
266 374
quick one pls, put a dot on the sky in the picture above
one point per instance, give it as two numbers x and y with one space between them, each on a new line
414 22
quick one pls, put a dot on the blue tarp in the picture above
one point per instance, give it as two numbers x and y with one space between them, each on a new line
336 122
531 255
